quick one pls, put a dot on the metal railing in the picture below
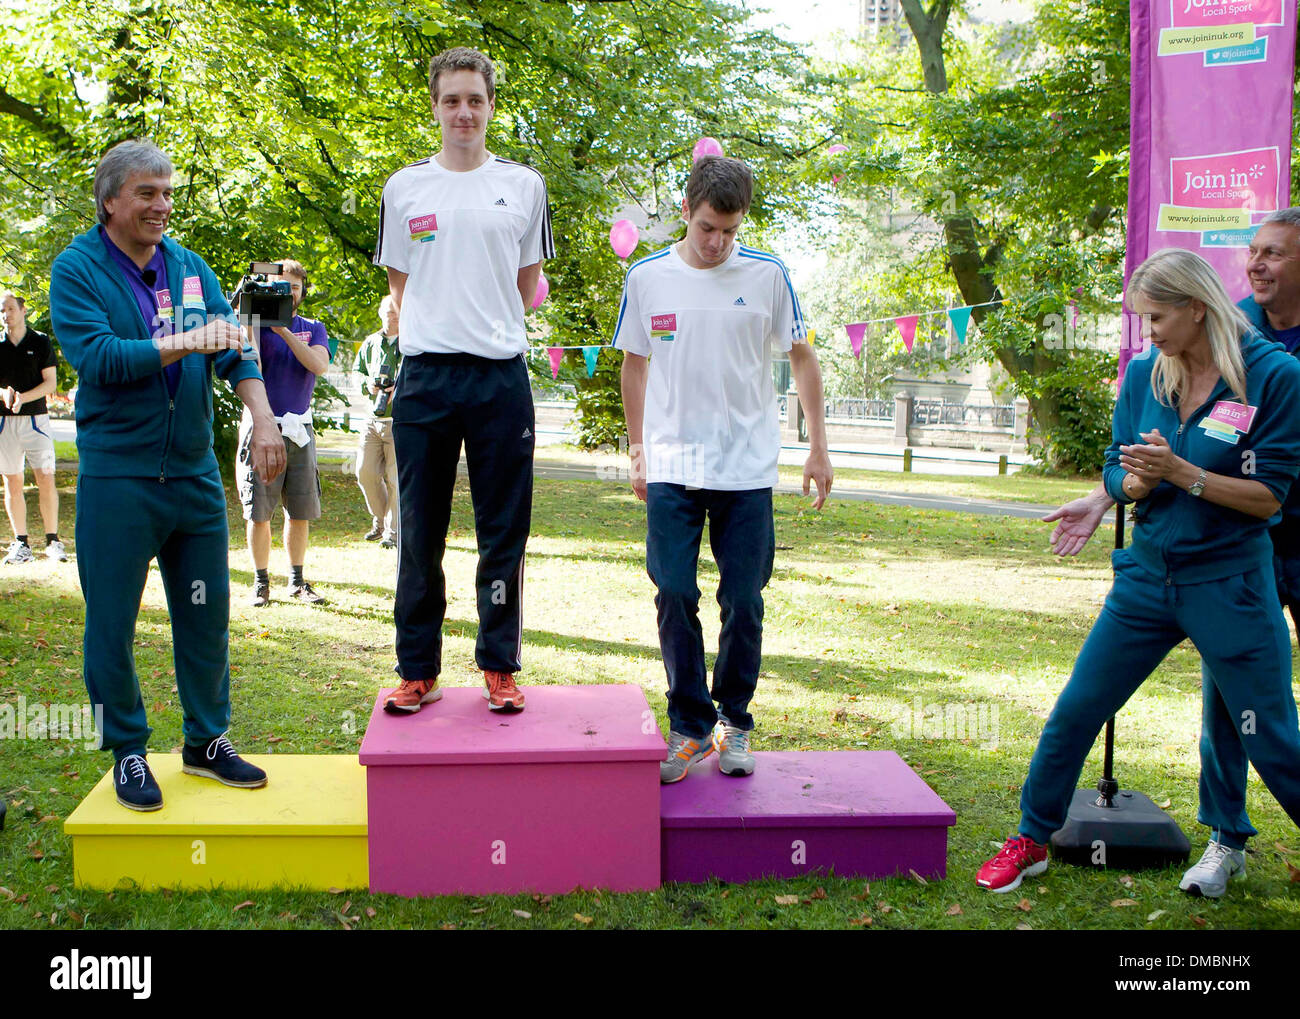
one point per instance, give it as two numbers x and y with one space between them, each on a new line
939 412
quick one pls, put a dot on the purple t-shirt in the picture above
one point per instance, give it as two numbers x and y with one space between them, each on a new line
1289 338
146 296
288 384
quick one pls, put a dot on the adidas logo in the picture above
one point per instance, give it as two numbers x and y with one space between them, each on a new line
499 201
740 302
527 434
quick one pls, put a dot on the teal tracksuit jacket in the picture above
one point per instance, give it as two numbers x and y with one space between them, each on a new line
148 486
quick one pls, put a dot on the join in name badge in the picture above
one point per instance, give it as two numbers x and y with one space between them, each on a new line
164 299
663 327
423 228
192 293
1228 422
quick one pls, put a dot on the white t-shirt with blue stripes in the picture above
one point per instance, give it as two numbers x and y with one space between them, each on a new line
711 417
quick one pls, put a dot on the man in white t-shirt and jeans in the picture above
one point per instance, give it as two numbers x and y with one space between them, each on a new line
697 326
462 235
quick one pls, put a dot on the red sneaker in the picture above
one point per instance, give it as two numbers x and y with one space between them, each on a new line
1019 858
411 695
501 692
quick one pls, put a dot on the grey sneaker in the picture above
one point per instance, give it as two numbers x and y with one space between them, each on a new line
18 553
1217 866
683 751
55 550
306 593
734 757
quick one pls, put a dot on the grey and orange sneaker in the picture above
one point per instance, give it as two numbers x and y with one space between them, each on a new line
683 751
734 757
411 696
500 691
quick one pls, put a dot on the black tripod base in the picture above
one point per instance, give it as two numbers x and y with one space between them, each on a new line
1132 835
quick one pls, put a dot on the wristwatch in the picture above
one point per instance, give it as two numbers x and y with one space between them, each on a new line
1199 486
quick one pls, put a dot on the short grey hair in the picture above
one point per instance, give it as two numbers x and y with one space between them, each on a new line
1291 217
122 160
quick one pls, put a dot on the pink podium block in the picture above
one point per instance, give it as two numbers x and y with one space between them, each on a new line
564 794
862 813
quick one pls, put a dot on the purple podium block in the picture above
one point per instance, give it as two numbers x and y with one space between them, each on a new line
564 794
863 813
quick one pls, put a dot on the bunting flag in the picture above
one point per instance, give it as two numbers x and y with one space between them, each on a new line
590 355
856 332
960 319
907 328
556 355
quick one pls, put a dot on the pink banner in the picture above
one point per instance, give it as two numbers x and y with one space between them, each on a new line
1210 132
556 355
856 332
907 328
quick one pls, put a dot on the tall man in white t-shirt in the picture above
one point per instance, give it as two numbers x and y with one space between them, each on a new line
462 235
697 326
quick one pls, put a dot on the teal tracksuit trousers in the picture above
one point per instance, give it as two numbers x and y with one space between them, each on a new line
1237 626
122 524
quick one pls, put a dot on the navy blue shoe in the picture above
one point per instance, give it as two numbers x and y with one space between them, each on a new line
217 759
136 787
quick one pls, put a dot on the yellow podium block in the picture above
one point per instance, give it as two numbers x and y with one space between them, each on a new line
306 828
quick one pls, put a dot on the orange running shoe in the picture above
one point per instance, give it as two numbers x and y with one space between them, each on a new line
501 692
409 697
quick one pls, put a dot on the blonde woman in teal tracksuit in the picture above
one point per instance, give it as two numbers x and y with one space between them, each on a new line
1206 444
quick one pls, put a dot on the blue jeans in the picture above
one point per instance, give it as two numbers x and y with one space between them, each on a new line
743 539
1237 626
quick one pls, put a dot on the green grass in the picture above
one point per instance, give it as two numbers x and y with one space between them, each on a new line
869 609
1009 488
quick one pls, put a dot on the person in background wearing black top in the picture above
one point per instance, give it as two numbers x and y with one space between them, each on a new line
27 377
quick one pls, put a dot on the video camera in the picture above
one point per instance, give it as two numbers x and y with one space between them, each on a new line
383 380
256 297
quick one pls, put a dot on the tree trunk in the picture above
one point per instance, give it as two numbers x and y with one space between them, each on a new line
973 266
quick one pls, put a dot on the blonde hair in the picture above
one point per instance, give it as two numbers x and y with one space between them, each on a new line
1176 276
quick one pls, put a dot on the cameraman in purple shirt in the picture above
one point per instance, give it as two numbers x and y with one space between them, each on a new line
291 358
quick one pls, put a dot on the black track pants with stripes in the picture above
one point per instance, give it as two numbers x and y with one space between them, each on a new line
442 400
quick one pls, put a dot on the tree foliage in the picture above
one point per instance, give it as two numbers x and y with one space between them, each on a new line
1014 141
284 120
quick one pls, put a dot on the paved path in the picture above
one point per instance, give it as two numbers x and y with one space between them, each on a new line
337 444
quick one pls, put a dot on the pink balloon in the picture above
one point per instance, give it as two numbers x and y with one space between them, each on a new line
835 150
624 237
706 146
543 288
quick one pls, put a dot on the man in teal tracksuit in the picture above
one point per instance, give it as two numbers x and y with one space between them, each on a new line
1273 307
143 321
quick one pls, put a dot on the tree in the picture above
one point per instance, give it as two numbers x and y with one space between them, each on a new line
284 121
1015 143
